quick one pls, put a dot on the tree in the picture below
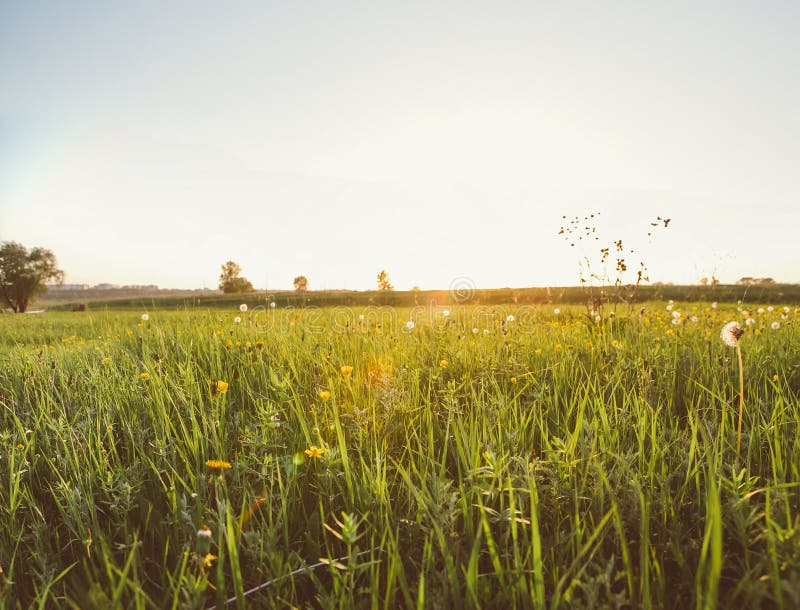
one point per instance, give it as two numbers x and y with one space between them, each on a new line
383 281
23 274
301 283
229 280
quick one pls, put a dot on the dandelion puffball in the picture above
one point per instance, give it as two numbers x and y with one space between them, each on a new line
775 325
410 325
237 319
731 333
145 317
509 318
242 307
556 311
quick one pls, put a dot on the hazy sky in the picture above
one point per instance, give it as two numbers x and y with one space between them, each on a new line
149 142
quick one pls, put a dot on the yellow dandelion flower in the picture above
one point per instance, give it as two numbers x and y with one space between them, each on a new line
347 370
513 380
222 386
218 464
324 394
314 452
145 376
104 360
20 446
443 363
775 377
208 560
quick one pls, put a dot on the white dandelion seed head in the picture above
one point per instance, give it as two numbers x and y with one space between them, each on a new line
730 334
556 311
410 325
475 330
145 317
509 318
361 317
273 305
446 313
242 307
676 314
786 310
597 319
784 316
770 308
237 319
694 319
749 321
775 325
676 321
204 533
714 305
485 331
670 306
760 310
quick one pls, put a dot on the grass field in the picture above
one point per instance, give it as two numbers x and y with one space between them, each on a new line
472 461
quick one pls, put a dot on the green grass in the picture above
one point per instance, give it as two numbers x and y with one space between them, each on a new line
562 463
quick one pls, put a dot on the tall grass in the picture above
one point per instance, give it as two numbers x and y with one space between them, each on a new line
548 462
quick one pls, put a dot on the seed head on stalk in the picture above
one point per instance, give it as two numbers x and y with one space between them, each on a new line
730 335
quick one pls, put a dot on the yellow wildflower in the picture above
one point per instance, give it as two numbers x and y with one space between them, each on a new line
347 370
145 376
208 560
513 380
314 452
775 377
218 464
324 394
443 363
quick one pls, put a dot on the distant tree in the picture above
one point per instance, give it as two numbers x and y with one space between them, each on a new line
383 281
766 281
415 289
301 283
704 281
23 274
745 281
229 280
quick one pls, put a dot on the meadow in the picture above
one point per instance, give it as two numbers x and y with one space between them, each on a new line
378 457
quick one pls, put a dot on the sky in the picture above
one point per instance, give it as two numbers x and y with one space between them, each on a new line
150 142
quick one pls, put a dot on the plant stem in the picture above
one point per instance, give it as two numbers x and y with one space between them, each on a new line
741 401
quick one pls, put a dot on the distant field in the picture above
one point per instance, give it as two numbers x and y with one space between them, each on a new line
446 456
461 294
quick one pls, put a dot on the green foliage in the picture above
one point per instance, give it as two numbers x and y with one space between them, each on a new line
301 283
540 462
230 282
23 274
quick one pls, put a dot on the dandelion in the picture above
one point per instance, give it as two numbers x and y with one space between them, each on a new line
556 311
218 464
730 335
775 377
314 452
144 376
446 313
347 370
760 310
485 331
218 387
104 360
145 317
676 321
714 305
237 319
694 319
410 325
597 319
670 306
787 309
770 309
324 395
243 307
775 325
475 330
208 560
513 380
204 533
676 314
443 363
509 318
749 321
